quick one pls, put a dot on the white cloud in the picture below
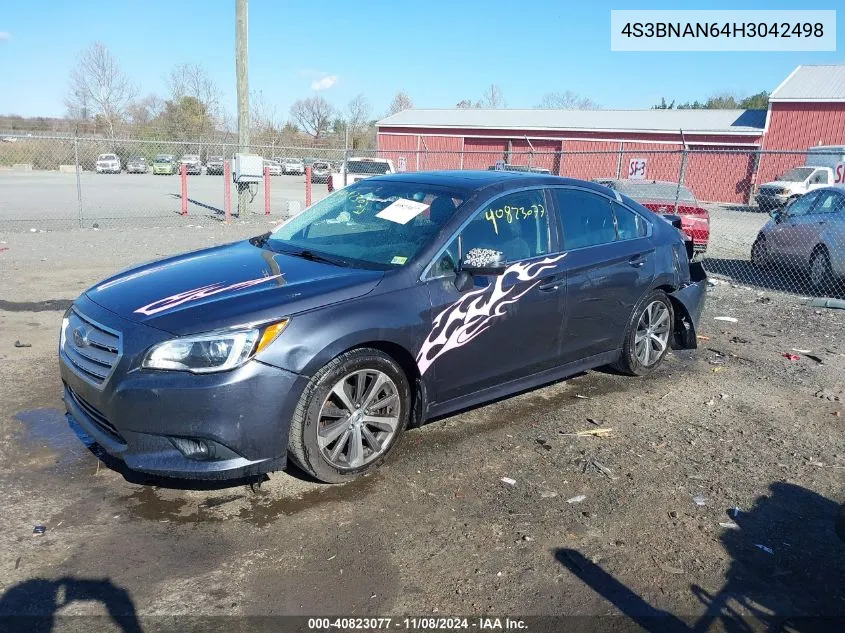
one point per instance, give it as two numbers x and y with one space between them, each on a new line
5 35
324 83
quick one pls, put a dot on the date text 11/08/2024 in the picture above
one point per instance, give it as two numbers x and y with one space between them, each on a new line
417 624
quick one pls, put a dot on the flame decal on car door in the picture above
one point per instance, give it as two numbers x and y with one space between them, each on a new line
462 321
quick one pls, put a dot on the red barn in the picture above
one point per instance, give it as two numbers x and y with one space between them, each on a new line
723 160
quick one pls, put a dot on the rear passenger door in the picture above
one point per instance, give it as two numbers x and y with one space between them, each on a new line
609 263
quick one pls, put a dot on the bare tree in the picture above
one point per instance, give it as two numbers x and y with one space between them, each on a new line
314 115
193 80
400 102
265 120
144 110
492 98
359 113
98 87
464 104
566 101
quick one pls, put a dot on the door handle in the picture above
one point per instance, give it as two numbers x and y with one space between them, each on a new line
549 286
637 261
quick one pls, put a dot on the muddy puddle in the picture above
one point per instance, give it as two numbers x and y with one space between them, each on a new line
54 441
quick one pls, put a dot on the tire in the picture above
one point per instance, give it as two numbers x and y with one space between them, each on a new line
631 361
821 273
321 404
760 253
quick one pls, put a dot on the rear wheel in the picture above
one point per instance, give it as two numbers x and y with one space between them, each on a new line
647 340
350 416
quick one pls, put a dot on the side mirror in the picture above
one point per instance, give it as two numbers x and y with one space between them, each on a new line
777 214
484 261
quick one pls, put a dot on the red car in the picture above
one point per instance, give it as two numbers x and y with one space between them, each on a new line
661 197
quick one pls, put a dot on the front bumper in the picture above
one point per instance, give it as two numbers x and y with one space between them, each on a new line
768 201
243 415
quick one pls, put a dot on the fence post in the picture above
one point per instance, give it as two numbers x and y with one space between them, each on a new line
227 189
184 171
308 186
345 155
681 171
266 190
619 160
78 177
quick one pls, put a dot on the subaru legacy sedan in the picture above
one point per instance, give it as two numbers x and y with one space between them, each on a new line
394 300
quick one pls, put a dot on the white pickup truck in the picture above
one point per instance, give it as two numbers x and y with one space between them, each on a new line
819 170
359 168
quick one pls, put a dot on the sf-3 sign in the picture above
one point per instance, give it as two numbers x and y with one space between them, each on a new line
637 168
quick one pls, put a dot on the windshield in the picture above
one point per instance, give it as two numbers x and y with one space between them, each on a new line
163 158
799 174
190 157
138 159
215 158
653 190
321 165
367 167
107 157
370 224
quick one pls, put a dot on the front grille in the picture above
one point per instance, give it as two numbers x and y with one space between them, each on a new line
92 349
95 416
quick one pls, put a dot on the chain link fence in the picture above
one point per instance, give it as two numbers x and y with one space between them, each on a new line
765 219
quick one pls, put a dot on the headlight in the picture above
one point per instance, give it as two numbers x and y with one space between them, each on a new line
216 351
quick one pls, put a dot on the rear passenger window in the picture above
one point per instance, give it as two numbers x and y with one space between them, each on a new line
629 225
585 218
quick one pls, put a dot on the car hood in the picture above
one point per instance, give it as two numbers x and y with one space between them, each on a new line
781 184
227 285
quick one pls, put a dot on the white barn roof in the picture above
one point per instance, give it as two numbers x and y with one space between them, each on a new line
812 83
690 121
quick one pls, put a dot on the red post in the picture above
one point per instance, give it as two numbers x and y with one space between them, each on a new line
266 190
227 189
308 186
184 189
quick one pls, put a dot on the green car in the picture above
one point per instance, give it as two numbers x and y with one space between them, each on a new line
165 164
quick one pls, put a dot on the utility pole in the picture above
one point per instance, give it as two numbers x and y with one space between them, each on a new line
242 73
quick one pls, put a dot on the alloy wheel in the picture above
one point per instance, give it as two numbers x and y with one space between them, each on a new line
358 419
652 335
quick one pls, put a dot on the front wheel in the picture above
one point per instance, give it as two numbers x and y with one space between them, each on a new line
760 253
647 339
350 416
821 273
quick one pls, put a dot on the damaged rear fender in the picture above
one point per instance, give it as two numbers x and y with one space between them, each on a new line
688 303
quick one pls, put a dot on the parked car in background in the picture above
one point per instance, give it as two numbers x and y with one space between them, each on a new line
808 235
273 168
791 186
107 164
293 166
192 163
320 171
214 166
662 197
402 297
359 168
164 164
137 165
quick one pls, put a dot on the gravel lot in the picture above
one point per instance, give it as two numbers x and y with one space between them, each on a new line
436 531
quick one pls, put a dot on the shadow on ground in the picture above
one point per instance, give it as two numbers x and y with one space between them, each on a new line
32 606
785 573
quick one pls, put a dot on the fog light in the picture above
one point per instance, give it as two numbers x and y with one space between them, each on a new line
194 449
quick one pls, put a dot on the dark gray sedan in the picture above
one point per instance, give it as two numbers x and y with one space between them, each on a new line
394 300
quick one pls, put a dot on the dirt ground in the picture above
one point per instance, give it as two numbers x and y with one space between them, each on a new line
436 531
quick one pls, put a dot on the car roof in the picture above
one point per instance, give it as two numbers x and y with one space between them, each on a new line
481 179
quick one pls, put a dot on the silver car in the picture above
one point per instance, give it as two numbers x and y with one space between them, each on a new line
808 234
